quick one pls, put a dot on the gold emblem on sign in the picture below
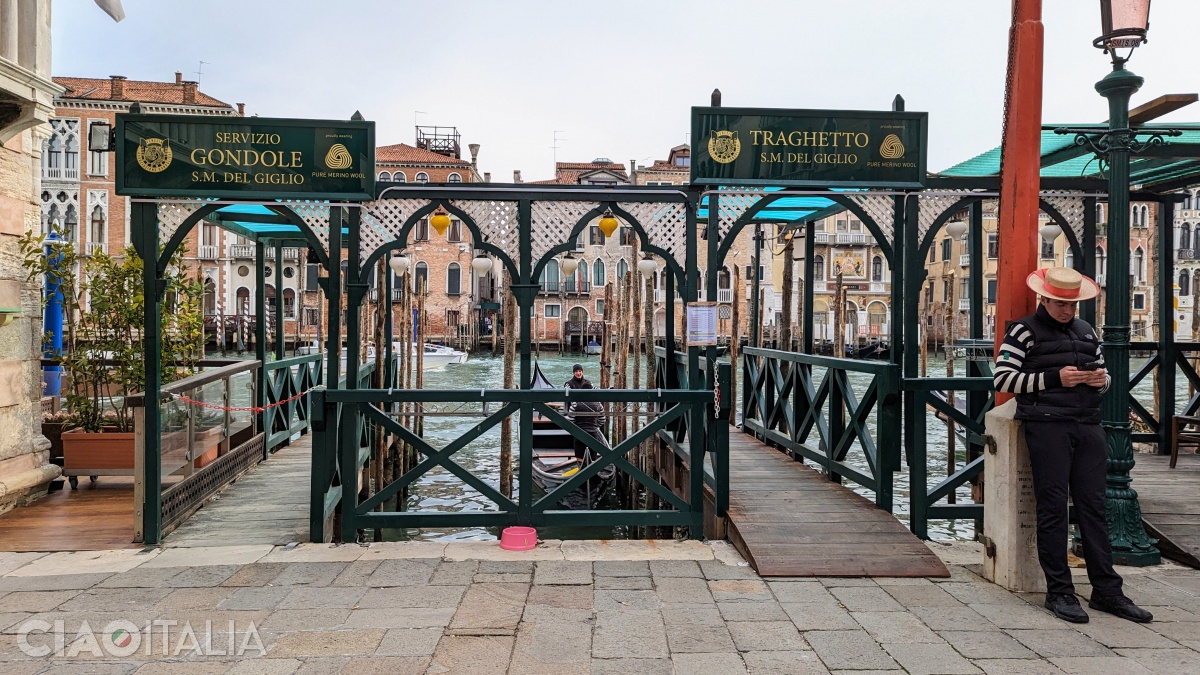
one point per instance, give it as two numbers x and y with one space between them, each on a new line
338 157
154 154
724 146
892 148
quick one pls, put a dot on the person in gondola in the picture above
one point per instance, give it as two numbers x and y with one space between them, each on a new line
587 415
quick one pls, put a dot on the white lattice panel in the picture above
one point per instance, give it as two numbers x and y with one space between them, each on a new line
932 206
1071 208
497 222
171 216
552 222
382 221
665 225
733 205
881 209
316 216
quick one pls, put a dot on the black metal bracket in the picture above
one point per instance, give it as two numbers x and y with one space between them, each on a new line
1103 141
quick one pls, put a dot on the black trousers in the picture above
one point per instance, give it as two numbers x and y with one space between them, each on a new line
1069 458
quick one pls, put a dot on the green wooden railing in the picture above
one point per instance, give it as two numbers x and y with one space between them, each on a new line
363 412
783 405
714 433
290 380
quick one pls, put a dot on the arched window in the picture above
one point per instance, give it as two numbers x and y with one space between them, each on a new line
1068 256
1139 262
289 303
876 269
581 277
421 276
270 300
422 177
96 233
818 267
384 175
399 177
1101 219
1185 236
598 278
1145 216
453 279
210 297
1135 216
622 269
243 301
724 279
1185 284
1100 260
71 223
549 277
454 178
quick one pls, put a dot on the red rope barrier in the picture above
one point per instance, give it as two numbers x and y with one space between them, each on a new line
251 409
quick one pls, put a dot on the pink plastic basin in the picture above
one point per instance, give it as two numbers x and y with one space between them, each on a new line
518 538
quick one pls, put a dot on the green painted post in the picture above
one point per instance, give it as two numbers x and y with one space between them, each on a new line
1087 310
145 228
908 315
810 248
1166 323
260 340
325 451
349 433
756 321
1130 544
279 346
526 292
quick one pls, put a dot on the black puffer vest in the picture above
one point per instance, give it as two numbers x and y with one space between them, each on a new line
1055 346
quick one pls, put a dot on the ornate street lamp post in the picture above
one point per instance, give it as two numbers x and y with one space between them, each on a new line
1124 23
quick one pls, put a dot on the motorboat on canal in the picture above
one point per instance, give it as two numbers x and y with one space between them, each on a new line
436 357
554 460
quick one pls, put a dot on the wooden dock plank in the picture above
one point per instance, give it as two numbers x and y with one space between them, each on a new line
1170 501
95 517
789 520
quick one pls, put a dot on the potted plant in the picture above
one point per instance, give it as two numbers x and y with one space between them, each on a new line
102 355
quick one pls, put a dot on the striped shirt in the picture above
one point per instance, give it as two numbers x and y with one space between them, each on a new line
1009 376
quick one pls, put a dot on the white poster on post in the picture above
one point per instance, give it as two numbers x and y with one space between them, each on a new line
701 324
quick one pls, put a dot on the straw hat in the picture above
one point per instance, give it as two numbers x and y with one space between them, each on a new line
1062 283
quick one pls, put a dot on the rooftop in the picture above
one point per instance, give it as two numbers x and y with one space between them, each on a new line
407 154
142 91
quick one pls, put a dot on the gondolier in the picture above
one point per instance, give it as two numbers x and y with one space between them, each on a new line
1053 362
587 415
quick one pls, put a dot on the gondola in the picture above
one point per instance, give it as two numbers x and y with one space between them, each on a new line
554 460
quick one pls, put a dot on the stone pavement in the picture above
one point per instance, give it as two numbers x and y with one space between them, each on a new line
566 607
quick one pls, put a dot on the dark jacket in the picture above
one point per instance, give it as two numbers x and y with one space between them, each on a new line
587 415
1055 346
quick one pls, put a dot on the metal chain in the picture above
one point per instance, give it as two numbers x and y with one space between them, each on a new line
251 409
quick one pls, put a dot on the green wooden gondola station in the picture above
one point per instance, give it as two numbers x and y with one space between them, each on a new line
312 183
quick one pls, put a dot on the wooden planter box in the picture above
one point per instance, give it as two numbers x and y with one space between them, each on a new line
105 451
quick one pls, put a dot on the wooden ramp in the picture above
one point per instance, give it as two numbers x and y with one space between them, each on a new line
788 520
266 505
1170 500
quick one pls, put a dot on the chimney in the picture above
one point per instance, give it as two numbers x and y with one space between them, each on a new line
189 91
632 167
178 78
117 85
487 176
516 175
241 109
474 153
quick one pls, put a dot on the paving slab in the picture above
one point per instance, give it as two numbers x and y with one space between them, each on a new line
800 591
259 574
321 598
629 634
200 556
1113 632
930 659
623 583
454 573
1058 642
766 636
626 600
685 589
784 663
59 582
407 596
315 553
1020 667
550 648
394 550
729 663
982 644
739 589
407 572
34 601
692 637
356 573
849 649
675 568
619 666
866 599
400 617
491 608
952 618
819 616
490 550
1164 661
309 574
472 655
255 598
387 665
322 619
84 562
1100 665
563 572
929 595
644 549
409 642
621 568
307 644
683 614
745 610
895 627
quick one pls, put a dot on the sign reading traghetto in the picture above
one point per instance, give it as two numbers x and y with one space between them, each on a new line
253 158
826 148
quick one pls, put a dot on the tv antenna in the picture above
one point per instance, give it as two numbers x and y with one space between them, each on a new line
200 72
555 146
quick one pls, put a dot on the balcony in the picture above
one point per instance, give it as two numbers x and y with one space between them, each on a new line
59 173
964 305
209 252
820 237
573 287
242 251
289 254
853 238
549 288
964 260
93 247
1186 254
725 295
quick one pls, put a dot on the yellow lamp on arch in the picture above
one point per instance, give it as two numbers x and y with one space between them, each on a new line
608 223
440 223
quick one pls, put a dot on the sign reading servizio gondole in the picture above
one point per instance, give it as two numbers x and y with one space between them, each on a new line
195 156
827 148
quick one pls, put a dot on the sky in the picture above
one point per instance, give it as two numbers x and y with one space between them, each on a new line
616 78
